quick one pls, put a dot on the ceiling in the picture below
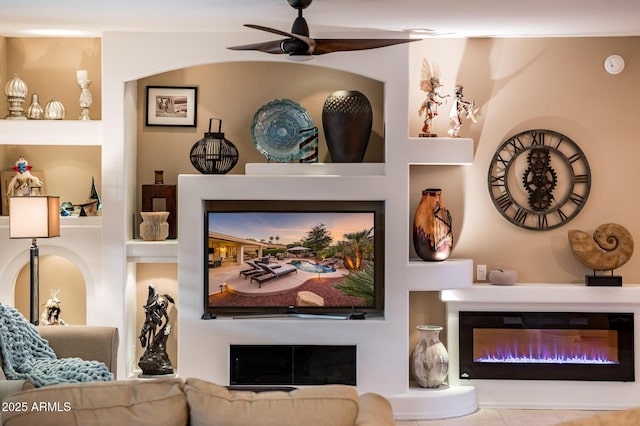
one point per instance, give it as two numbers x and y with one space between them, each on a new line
450 18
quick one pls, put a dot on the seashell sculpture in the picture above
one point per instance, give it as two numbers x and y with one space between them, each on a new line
610 247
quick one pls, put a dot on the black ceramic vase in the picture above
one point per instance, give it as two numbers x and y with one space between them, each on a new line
347 120
432 235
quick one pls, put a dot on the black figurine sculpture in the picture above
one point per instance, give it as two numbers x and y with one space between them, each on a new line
154 334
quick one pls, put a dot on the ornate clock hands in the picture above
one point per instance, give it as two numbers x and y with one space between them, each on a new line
539 179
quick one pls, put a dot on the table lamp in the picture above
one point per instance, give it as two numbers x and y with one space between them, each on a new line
34 217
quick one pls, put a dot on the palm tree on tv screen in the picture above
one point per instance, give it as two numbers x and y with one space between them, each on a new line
357 247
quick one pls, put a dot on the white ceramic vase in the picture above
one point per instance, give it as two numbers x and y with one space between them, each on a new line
154 226
429 359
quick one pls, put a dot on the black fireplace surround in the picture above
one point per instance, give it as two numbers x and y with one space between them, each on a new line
546 346
259 365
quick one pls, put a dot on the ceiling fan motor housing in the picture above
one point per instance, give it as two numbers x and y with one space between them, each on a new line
293 46
299 4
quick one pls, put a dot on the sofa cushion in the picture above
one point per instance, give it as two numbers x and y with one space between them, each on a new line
125 402
214 405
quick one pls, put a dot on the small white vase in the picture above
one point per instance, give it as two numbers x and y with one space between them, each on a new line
154 226
429 358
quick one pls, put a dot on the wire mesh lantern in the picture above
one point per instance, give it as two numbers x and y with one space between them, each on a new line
214 154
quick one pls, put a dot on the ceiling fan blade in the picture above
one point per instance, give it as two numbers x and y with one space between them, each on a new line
266 47
280 32
328 45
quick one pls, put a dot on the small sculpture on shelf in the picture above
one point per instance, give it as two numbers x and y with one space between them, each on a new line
35 110
51 311
16 91
459 109
93 205
85 95
610 247
23 183
430 84
154 334
54 110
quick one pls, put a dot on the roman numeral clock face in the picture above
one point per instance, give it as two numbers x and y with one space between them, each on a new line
539 179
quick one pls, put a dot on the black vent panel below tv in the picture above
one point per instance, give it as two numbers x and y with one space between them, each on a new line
257 365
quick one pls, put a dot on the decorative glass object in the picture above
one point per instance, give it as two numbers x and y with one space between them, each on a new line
309 146
54 110
432 227
214 154
35 111
429 358
277 127
16 92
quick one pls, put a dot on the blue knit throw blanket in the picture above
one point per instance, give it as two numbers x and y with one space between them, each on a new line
27 356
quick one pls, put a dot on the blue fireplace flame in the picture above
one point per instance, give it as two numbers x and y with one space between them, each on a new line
540 355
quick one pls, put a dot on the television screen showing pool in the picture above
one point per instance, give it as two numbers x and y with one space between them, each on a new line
293 258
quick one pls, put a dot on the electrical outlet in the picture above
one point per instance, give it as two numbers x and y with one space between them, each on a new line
481 272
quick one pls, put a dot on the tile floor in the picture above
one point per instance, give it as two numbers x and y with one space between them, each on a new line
506 417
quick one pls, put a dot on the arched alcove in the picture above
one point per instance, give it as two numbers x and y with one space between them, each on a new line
234 92
58 274
164 277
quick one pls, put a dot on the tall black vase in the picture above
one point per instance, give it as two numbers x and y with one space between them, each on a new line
347 121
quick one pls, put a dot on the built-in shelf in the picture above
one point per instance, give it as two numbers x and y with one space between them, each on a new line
434 276
67 222
440 403
140 251
531 293
315 169
51 132
438 151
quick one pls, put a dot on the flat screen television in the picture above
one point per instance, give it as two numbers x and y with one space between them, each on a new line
293 258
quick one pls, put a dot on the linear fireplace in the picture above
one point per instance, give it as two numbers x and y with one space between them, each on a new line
546 346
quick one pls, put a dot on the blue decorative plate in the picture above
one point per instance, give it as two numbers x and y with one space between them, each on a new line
276 128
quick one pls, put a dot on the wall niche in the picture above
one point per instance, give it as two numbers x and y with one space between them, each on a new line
233 92
57 274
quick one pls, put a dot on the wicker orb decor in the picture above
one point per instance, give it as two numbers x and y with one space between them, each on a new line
214 154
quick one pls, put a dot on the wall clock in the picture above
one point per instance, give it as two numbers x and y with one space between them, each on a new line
539 179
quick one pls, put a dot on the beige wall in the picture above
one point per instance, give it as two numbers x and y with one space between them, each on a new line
68 170
56 273
234 92
49 65
558 84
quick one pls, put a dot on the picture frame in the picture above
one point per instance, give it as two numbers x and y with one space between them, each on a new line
171 106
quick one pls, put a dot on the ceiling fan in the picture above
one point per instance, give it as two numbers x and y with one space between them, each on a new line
298 42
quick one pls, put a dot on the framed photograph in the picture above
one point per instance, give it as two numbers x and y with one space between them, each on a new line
171 106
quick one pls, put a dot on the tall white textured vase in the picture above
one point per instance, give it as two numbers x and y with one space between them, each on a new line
429 359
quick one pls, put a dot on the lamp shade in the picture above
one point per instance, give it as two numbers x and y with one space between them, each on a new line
34 217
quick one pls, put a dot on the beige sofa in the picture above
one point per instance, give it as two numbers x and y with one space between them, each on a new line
174 401
192 402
